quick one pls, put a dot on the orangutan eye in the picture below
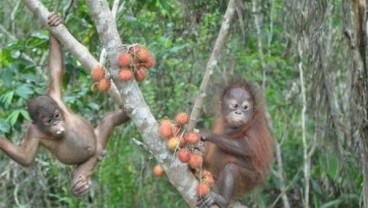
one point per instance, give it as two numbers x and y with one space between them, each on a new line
49 121
245 105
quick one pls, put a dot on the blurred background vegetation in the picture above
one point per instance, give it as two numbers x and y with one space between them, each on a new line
181 34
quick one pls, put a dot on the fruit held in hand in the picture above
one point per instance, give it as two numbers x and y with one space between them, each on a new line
158 171
97 74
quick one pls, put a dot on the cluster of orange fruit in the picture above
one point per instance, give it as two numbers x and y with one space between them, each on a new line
181 142
134 61
98 76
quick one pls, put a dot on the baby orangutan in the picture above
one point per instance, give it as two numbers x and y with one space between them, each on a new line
69 137
239 148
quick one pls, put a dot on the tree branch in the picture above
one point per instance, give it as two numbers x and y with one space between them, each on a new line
257 24
136 107
307 159
212 62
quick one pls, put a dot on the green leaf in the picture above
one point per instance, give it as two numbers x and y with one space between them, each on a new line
333 203
37 40
7 99
7 77
176 49
25 114
94 106
4 127
24 91
333 165
13 117
15 54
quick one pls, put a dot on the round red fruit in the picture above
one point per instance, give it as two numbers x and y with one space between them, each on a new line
158 171
124 59
192 138
208 178
203 189
143 54
184 155
125 74
195 161
166 129
182 118
104 85
140 74
149 62
98 73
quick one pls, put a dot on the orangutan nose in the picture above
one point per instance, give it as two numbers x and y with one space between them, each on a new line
60 131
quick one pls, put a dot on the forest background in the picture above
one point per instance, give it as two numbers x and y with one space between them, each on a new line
306 55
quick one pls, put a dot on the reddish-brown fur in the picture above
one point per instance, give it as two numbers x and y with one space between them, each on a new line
254 138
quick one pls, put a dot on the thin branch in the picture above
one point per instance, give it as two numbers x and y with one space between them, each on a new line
115 8
239 9
6 32
280 174
212 63
67 9
103 53
270 34
306 168
257 23
12 15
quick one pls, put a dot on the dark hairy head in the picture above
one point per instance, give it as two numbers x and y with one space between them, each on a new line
239 104
46 114
238 83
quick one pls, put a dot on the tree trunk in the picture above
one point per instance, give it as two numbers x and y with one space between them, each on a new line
359 87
